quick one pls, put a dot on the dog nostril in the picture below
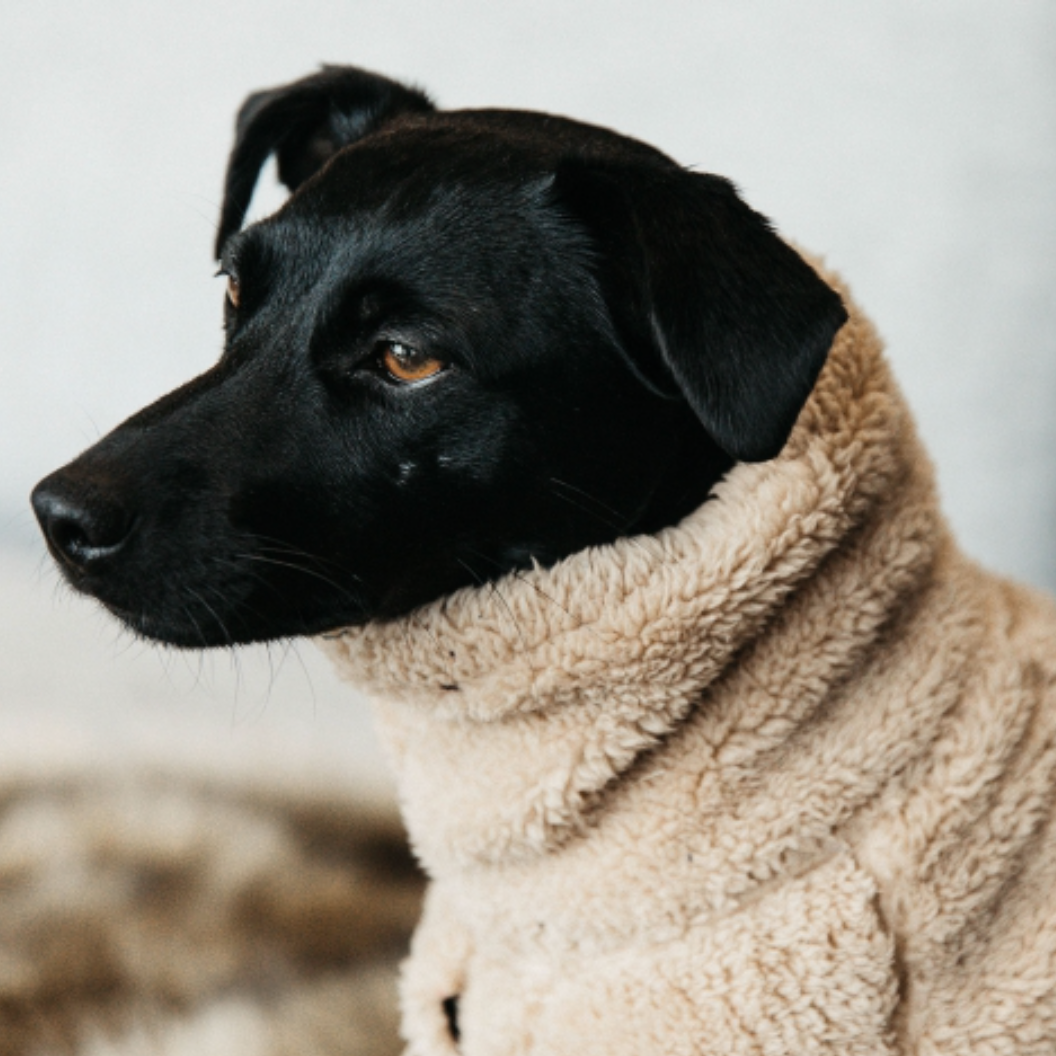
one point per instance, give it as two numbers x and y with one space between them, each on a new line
68 535
80 531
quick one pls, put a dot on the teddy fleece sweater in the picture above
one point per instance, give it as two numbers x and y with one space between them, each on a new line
776 780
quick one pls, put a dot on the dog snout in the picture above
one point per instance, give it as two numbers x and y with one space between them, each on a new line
83 526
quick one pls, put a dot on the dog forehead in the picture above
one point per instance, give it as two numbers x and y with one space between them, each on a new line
403 209
453 207
487 154
421 174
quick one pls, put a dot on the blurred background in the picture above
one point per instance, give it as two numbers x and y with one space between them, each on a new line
913 145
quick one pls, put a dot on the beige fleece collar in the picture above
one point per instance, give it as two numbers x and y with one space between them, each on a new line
544 637
518 703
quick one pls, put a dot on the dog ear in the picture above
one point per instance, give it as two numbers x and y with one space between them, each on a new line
708 301
305 123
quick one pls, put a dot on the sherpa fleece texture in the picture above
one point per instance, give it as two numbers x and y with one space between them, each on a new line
776 780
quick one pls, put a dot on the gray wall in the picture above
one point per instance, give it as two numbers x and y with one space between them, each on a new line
913 144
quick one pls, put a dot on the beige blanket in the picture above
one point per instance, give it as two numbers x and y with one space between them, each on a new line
777 780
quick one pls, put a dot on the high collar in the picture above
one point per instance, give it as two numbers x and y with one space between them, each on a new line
518 703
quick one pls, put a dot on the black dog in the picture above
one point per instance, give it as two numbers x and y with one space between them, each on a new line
470 341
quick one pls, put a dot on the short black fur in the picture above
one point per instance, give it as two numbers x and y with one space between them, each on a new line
604 335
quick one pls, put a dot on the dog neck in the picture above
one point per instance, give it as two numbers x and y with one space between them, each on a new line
512 711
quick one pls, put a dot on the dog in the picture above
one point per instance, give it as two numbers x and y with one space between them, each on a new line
423 385
709 738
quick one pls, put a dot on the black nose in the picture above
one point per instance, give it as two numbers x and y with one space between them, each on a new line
83 526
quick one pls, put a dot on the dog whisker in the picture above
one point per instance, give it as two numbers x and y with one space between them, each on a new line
289 647
212 612
617 517
343 591
525 650
243 570
424 626
585 509
184 199
522 578
16 520
268 545
205 641
611 518
242 606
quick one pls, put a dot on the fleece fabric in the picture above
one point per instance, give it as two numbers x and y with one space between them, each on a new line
778 779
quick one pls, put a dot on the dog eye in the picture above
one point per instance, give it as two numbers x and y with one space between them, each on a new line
234 291
405 364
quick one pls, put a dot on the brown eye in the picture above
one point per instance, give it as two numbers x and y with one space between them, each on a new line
234 291
404 363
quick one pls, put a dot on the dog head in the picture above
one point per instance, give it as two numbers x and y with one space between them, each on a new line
469 341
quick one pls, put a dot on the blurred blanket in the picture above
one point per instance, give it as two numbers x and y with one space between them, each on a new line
199 856
159 915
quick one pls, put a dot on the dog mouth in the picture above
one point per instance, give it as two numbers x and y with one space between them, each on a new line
178 608
145 625
215 610
191 584
189 627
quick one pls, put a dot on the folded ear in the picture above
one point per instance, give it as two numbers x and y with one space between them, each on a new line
708 302
304 124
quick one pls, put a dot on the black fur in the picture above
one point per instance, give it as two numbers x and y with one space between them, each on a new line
617 331
304 124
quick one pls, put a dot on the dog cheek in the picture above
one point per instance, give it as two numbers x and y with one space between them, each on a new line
486 448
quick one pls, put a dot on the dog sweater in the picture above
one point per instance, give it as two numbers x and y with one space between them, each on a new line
776 780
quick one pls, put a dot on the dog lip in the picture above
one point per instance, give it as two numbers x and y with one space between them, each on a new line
134 618
155 628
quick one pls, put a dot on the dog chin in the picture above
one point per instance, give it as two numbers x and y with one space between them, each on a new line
195 632
168 632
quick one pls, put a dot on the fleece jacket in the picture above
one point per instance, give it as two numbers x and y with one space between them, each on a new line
777 779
